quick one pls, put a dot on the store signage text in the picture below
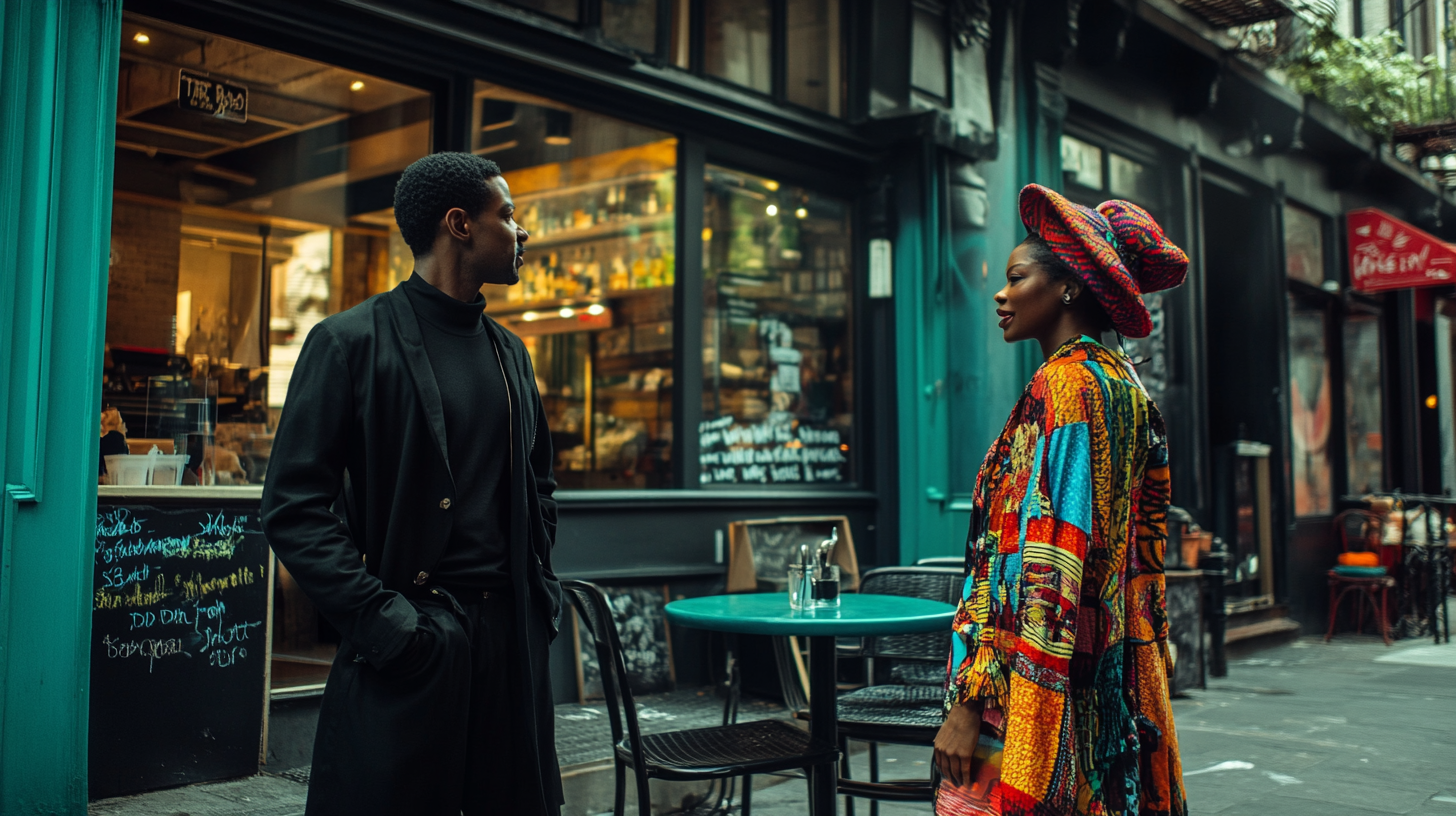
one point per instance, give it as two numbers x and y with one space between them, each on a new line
220 100
1387 253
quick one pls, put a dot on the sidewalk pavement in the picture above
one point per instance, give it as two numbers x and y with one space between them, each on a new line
1308 729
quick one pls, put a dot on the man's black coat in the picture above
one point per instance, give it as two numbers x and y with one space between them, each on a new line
364 402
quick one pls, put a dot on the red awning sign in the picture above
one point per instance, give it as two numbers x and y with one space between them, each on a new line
1387 253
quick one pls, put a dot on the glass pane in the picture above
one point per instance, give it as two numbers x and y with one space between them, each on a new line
594 305
1364 440
231 240
569 10
1131 180
736 42
778 401
1304 245
813 54
927 58
631 22
1309 409
1081 163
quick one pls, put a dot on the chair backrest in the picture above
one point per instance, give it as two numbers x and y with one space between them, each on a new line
958 561
1361 528
595 612
929 582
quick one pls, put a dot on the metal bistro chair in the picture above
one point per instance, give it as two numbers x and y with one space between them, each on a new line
730 750
908 711
957 561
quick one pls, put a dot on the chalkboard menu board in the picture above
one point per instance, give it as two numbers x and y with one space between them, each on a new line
178 647
646 647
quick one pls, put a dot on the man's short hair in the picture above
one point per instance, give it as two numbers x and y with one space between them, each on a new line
433 186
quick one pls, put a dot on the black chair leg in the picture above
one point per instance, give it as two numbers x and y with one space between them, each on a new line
619 806
644 793
747 794
844 773
874 775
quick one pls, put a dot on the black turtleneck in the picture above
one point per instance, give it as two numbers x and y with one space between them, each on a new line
477 427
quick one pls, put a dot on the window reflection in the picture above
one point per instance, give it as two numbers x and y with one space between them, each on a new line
736 37
778 401
1364 440
1309 409
812 52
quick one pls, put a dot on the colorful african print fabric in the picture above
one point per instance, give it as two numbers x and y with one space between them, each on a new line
1062 627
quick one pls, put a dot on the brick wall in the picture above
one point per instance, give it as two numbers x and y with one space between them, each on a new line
141 295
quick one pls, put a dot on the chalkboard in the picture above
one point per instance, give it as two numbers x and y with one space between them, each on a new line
178 647
646 648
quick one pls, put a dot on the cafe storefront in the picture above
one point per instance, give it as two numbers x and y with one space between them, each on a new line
693 301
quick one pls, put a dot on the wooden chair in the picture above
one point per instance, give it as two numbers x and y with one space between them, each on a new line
1360 530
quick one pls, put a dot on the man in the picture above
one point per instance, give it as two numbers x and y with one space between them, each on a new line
417 419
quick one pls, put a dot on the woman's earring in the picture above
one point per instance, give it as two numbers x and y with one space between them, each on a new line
1067 298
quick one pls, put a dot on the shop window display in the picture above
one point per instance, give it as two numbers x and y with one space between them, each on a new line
777 346
595 303
1309 409
253 194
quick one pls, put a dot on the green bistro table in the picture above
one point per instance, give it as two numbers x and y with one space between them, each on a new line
856 616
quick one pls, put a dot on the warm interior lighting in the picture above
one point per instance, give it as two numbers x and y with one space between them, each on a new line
707 234
529 316
356 85
141 38
801 212
567 311
558 127
772 210
595 309
772 185
1431 401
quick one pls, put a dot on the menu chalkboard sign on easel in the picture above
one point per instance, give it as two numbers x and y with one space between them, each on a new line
178 647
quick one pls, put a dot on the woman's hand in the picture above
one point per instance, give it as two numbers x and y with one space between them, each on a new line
955 744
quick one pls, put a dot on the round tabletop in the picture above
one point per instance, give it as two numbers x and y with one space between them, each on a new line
769 614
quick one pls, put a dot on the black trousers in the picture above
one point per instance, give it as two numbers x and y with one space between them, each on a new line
438 738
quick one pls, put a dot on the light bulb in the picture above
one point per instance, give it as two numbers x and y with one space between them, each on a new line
567 311
772 210
529 316
141 38
356 85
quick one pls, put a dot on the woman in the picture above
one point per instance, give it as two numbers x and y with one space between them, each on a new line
1060 647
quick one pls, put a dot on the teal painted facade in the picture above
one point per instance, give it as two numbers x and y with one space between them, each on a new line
957 380
58 62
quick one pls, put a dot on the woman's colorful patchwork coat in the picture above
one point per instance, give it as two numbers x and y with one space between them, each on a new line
1062 625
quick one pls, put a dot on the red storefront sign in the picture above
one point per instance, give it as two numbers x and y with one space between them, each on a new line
1387 253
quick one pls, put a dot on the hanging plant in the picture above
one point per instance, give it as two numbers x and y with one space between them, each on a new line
1372 80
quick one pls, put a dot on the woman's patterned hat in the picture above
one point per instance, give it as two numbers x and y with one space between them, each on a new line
1117 250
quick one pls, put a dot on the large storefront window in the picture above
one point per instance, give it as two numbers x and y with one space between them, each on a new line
1309 409
1364 440
234 233
595 304
253 198
778 393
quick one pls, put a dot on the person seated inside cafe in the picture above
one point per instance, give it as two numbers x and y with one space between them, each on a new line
113 434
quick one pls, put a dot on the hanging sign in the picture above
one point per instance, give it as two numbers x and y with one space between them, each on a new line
220 100
1387 253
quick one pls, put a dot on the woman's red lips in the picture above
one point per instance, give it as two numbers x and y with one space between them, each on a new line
1005 318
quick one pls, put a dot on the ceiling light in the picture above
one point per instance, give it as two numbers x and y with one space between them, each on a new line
356 85
801 212
529 316
558 127
772 185
771 209
595 309
567 311
141 38
1431 401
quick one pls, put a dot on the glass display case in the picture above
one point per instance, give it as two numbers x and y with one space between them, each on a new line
778 400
